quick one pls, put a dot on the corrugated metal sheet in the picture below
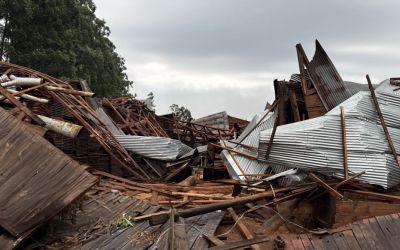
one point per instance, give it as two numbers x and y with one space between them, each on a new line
218 120
238 164
316 143
327 81
355 87
158 148
37 180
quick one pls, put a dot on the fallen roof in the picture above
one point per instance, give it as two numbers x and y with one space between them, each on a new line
316 143
59 97
158 148
37 180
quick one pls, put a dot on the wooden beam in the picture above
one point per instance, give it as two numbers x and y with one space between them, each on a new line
235 151
18 104
243 228
154 198
379 195
244 145
344 182
378 110
214 240
295 107
344 143
271 139
348 180
332 191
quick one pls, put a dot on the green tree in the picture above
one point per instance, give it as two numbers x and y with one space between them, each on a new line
181 113
65 39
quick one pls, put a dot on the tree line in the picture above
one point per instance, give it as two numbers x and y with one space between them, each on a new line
64 39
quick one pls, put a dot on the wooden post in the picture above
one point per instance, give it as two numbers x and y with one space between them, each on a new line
344 143
293 104
272 136
326 186
378 110
235 151
18 104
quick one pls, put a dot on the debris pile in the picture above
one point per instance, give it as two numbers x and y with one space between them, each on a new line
318 168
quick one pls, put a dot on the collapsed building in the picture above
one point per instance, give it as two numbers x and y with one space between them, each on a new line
318 168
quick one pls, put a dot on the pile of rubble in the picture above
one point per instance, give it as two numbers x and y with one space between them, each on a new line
317 169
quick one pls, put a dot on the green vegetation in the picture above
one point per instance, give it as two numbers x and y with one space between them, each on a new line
64 39
181 113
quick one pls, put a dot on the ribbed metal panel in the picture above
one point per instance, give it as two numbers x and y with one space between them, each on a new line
355 87
218 120
158 148
327 81
239 165
316 143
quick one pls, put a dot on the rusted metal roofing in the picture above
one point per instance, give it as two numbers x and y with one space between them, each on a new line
37 180
326 80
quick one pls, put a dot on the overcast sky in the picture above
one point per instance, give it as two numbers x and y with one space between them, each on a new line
215 55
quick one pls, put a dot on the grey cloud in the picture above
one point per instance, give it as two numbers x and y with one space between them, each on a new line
231 36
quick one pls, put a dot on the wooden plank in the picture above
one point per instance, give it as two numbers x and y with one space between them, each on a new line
154 197
379 195
243 228
332 191
385 129
287 238
369 234
297 242
329 242
351 240
209 223
178 239
387 229
344 143
239 152
340 241
359 236
18 104
316 241
214 240
293 104
271 139
242 243
383 240
306 242
394 222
